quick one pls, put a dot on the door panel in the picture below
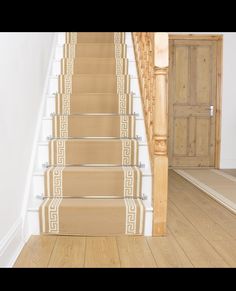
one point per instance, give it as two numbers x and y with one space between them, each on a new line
180 136
192 90
182 73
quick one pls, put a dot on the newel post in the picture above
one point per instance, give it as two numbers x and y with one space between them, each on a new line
160 132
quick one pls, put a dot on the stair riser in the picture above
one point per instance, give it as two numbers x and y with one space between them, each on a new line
129 68
43 156
38 186
106 51
133 105
47 125
96 66
92 126
93 103
94 51
95 37
78 84
65 51
79 152
62 182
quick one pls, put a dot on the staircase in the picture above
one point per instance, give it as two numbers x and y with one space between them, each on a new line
92 185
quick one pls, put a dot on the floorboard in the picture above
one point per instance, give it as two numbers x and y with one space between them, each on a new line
135 253
36 252
101 252
68 252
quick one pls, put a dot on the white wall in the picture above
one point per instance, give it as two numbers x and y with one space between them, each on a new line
24 59
228 134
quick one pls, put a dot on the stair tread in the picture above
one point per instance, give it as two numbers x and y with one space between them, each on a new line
76 182
93 151
97 169
92 216
95 202
93 114
95 59
94 139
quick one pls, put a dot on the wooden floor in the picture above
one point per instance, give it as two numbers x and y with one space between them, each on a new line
221 185
230 172
201 233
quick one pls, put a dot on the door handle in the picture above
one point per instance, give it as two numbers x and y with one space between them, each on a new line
211 109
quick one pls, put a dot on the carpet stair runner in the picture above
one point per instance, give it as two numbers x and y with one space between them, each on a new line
93 182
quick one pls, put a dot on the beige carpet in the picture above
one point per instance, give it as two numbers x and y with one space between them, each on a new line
216 183
93 182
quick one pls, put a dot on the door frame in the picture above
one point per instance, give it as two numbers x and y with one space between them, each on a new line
218 102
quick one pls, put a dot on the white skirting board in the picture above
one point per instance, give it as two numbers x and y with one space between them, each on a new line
11 245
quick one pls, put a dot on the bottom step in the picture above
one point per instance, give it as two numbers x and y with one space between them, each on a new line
92 217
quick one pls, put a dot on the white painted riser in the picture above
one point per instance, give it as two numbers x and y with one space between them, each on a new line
46 129
53 85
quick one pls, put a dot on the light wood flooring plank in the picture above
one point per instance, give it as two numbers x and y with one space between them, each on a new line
101 252
168 253
213 209
227 250
231 172
134 252
198 249
36 252
68 252
200 220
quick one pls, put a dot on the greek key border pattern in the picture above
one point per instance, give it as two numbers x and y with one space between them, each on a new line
61 152
67 84
122 104
64 126
65 103
128 181
126 152
73 38
124 126
53 215
57 181
69 66
131 215
71 51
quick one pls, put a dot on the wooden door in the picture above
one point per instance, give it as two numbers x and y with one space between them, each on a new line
192 102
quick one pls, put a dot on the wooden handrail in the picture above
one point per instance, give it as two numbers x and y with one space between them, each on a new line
152 58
